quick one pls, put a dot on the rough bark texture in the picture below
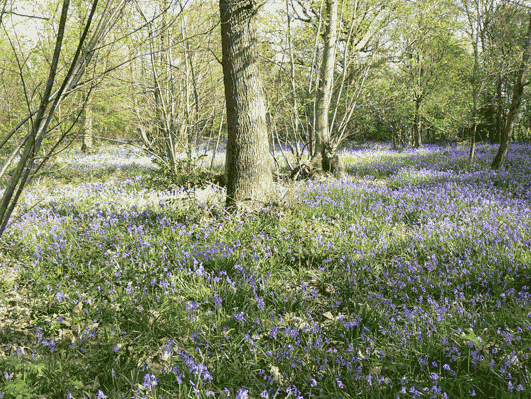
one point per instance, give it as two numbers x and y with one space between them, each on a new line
248 161
515 103
328 163
332 163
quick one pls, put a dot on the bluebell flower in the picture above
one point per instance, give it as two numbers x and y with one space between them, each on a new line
217 300
150 380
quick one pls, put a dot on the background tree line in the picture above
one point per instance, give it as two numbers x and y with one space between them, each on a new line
409 65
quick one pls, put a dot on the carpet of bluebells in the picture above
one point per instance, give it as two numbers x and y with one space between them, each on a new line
410 278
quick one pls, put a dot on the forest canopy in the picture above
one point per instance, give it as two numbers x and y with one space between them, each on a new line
400 66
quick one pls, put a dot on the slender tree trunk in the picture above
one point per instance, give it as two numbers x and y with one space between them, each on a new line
515 103
474 105
248 161
475 34
472 137
325 159
22 170
162 89
196 94
311 114
295 123
499 114
311 132
88 134
187 130
393 135
163 115
326 78
419 96
417 124
49 102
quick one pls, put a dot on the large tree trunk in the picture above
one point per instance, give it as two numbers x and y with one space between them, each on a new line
248 161
515 103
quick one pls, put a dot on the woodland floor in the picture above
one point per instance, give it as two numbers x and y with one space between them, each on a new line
408 279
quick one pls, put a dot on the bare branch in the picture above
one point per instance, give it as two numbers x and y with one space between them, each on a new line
26 15
3 10
19 179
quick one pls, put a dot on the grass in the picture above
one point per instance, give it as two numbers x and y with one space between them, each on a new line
408 279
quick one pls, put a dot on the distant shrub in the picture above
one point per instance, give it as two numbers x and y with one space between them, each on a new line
189 174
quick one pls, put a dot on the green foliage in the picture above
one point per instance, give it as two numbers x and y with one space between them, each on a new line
189 172
19 377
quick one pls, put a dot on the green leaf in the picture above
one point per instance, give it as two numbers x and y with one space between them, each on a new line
470 337
77 384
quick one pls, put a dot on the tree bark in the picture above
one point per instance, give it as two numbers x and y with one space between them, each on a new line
326 78
474 103
295 122
498 128
248 161
515 103
190 65
417 125
324 158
